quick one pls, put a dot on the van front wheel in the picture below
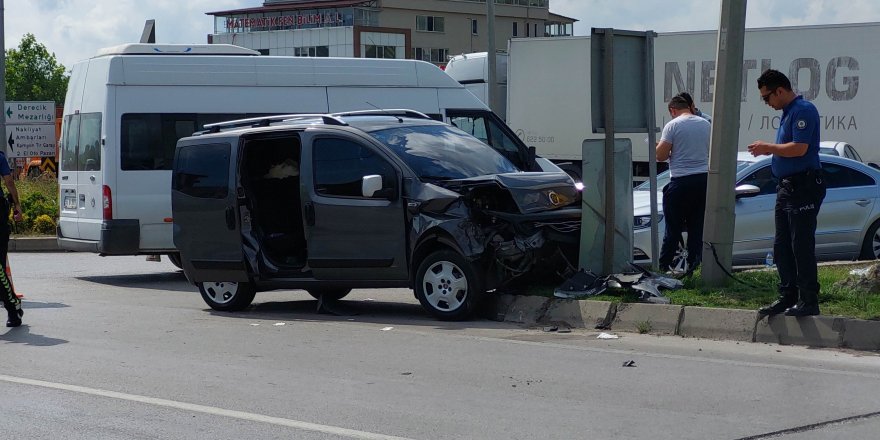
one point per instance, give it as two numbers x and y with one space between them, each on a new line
227 296
448 286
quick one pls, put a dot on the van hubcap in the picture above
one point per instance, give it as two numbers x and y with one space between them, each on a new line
222 292
445 286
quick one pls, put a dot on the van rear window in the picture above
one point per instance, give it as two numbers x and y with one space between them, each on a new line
202 171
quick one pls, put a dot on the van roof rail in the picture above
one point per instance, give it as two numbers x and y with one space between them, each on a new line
389 112
265 121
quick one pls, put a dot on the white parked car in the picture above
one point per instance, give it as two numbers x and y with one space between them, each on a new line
847 225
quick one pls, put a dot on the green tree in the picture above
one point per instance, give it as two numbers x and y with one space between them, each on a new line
33 73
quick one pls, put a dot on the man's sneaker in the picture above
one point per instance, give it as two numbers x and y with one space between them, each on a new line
802 309
15 318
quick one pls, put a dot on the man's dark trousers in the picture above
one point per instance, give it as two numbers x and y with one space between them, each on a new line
798 199
684 207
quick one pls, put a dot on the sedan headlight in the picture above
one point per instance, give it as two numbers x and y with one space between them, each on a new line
644 221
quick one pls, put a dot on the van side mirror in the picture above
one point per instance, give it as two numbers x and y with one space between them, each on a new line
533 163
746 191
370 185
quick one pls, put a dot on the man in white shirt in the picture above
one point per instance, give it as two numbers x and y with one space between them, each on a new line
685 143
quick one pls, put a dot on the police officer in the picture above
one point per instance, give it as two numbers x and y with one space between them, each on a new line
799 195
685 143
11 302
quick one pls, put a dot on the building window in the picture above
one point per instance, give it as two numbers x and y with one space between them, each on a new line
427 23
527 30
515 29
312 51
473 27
431 55
374 51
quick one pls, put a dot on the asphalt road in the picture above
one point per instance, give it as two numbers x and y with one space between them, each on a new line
121 348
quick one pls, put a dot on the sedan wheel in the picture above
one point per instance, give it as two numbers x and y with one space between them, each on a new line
227 296
447 286
871 245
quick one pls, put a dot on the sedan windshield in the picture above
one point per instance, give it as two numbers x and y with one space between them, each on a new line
440 152
663 178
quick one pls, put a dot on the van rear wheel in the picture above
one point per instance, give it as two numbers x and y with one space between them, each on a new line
227 296
174 258
448 286
329 294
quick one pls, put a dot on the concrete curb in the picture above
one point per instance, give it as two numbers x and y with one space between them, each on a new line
33 244
813 331
709 323
700 322
656 319
861 335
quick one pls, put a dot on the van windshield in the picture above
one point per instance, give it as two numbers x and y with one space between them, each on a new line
441 152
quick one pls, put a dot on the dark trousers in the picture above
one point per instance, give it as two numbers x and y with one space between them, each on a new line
684 206
7 295
798 199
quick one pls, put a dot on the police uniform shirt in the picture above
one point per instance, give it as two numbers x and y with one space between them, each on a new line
4 165
800 124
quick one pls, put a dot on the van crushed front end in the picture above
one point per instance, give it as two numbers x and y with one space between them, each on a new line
517 228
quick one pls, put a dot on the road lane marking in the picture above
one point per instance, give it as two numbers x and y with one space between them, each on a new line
296 424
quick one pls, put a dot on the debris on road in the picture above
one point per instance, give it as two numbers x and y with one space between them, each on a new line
604 335
647 284
385 329
278 324
629 364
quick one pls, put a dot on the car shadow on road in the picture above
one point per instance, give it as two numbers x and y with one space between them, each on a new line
174 281
368 311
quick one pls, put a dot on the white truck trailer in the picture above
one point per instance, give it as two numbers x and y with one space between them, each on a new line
548 86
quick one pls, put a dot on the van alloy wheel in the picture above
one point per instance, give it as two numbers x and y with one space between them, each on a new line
226 295
447 285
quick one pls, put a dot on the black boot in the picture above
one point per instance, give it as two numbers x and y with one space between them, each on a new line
785 300
803 309
15 316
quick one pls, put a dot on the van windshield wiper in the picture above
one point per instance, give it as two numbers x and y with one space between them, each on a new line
437 178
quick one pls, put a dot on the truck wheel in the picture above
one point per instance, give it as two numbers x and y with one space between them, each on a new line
329 294
448 286
174 258
871 245
227 296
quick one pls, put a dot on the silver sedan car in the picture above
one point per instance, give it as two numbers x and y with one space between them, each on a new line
847 225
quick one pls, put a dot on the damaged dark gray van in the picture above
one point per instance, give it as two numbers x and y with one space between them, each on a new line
327 203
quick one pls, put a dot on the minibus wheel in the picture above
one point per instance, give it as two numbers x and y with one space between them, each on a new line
227 296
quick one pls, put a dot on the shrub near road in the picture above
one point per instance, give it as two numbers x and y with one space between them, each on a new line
39 201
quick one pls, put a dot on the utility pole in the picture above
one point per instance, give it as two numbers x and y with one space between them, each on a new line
491 57
3 75
720 215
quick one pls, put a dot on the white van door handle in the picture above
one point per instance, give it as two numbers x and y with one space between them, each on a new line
862 202
92 178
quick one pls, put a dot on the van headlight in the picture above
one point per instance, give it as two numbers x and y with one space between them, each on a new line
644 221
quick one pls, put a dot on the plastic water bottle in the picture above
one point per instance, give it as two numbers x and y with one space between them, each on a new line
768 260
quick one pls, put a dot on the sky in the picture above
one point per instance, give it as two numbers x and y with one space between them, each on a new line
75 29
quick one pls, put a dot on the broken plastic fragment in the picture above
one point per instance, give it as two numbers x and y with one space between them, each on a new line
254 324
385 329
278 324
629 363
604 335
